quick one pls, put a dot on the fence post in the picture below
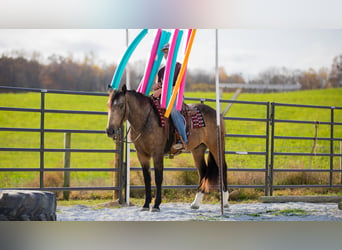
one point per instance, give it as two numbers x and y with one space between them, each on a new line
118 178
67 145
116 174
331 146
272 148
42 128
268 120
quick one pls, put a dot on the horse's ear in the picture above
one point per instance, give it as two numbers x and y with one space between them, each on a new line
109 89
124 88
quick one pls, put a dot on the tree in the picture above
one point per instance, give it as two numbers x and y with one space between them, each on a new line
335 76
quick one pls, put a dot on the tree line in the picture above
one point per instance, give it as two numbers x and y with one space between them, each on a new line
69 74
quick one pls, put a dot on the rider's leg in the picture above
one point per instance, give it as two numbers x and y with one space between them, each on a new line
179 123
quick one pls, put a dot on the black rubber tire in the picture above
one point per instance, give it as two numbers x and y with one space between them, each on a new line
27 206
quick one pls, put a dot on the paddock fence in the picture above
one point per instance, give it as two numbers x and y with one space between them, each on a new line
260 145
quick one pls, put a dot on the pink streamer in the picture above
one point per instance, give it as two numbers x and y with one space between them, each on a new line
150 62
167 70
181 88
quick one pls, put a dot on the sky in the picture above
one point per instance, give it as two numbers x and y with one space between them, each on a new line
244 51
253 36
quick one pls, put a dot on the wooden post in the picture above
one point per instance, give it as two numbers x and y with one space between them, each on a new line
67 145
116 174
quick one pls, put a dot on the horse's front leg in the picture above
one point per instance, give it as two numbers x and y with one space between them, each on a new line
158 172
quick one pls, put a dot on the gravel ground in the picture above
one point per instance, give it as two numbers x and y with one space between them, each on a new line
291 211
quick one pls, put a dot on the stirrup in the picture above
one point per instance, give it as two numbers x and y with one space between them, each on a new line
178 146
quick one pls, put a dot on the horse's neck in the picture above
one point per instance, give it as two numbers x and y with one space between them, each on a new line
139 108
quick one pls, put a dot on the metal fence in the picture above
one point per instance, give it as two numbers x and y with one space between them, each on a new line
267 143
42 130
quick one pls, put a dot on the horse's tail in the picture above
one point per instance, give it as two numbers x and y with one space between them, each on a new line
211 178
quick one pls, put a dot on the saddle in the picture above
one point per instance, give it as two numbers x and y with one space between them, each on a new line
193 119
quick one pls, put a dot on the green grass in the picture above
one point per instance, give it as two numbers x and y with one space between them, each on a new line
327 97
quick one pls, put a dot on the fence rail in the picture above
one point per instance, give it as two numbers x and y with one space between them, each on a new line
268 139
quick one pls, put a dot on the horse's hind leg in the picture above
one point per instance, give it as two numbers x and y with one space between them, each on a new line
212 163
198 156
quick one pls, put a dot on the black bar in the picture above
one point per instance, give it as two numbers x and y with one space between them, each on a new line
20 109
75 131
305 186
246 136
81 150
272 120
246 169
53 130
196 186
42 142
60 150
306 138
64 188
195 169
165 169
306 106
331 147
303 122
202 100
80 112
21 129
267 149
307 170
245 119
59 169
306 154
244 153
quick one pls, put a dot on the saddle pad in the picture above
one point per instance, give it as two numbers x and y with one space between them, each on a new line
156 105
197 120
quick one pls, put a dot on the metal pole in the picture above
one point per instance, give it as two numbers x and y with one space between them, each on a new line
341 161
331 146
272 148
218 121
128 148
42 128
267 148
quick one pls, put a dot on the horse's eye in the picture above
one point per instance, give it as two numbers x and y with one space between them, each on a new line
118 105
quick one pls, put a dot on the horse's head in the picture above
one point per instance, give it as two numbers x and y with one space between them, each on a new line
117 114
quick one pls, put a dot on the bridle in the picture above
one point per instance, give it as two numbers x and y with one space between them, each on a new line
118 131
143 126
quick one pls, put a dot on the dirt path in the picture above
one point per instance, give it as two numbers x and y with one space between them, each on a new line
292 211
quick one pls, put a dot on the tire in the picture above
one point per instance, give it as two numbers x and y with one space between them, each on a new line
27 206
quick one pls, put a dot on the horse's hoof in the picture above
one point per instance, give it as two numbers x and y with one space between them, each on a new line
145 209
194 207
226 206
155 209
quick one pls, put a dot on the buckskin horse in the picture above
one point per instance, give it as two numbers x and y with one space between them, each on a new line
152 141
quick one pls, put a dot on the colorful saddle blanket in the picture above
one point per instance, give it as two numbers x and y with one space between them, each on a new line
192 115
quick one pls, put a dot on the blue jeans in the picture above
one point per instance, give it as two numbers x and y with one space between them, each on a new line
179 122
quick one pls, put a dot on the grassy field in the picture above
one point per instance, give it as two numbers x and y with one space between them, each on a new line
327 97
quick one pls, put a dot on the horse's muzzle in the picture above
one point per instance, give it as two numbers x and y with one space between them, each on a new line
114 133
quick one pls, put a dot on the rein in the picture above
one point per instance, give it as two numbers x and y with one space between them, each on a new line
143 127
141 130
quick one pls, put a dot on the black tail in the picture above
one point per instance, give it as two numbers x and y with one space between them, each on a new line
211 178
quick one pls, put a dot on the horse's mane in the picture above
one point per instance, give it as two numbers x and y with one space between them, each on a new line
142 99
